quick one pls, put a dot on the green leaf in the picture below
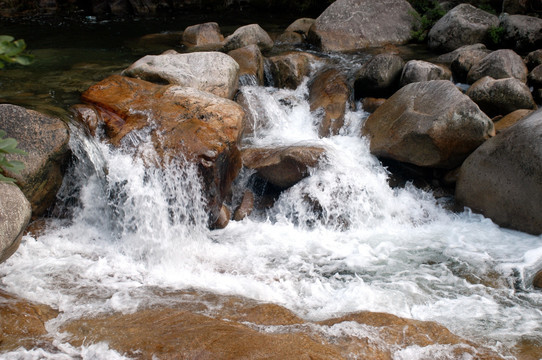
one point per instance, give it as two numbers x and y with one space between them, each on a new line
6 38
14 166
6 179
24 59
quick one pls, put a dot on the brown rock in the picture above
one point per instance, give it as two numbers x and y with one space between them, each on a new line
462 64
203 127
511 119
283 166
45 139
202 34
537 281
301 26
290 69
290 38
502 96
251 34
370 104
499 64
15 213
419 70
245 207
22 323
329 92
223 218
251 64
417 127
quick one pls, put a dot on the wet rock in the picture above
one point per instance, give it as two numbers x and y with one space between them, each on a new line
511 119
370 104
462 64
301 26
417 127
200 126
283 166
251 64
15 213
521 33
357 24
203 35
45 140
499 64
449 57
463 25
290 69
213 72
502 178
246 206
290 38
22 323
533 59
223 218
502 96
537 281
380 76
535 77
418 70
248 35
329 92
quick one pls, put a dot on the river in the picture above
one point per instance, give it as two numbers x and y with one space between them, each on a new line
368 246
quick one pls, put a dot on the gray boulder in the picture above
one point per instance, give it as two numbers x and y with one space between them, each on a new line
502 96
535 77
213 72
15 213
462 64
502 179
521 33
533 59
463 25
358 24
499 64
419 70
282 166
45 140
248 35
379 77
417 127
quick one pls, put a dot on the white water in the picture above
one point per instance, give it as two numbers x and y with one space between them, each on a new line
368 247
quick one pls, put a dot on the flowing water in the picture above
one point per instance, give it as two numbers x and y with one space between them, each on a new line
124 229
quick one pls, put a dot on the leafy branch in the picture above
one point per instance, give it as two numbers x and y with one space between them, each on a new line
9 146
13 52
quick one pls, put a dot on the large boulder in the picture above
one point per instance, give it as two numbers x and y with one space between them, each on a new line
15 213
251 64
533 59
358 24
521 33
500 64
379 77
502 179
463 25
329 93
183 122
464 61
417 127
419 70
251 34
45 139
203 35
212 71
502 96
282 166
290 69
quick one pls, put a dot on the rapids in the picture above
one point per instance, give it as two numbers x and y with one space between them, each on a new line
122 229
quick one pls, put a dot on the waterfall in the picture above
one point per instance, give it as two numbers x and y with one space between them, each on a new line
341 240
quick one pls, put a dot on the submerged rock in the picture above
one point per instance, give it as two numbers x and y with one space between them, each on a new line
502 179
283 166
213 72
357 24
330 93
248 35
184 122
463 25
45 139
15 213
499 64
379 77
502 96
417 127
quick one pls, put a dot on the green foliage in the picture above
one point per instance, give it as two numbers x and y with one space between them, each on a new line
431 12
12 51
495 34
9 146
